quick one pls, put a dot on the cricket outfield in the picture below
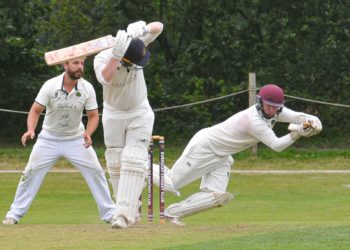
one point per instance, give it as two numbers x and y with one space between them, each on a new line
308 210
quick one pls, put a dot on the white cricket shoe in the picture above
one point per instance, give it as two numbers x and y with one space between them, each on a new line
168 184
9 221
120 223
174 220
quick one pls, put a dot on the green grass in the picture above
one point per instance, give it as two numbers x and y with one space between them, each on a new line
304 211
15 158
309 238
268 212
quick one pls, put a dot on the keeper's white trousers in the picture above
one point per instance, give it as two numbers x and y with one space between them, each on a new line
46 151
199 161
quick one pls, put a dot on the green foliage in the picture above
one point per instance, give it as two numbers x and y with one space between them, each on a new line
205 51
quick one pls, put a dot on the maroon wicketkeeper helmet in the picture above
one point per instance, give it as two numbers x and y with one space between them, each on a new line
272 95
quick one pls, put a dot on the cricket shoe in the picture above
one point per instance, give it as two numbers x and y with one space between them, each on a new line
9 221
120 223
174 220
168 184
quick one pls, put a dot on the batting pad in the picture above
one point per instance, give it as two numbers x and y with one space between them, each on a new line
130 188
168 183
198 202
112 156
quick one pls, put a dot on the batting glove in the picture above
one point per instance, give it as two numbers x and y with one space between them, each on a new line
137 29
301 131
122 41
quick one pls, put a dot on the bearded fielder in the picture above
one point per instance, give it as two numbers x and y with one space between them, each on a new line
127 116
208 154
63 135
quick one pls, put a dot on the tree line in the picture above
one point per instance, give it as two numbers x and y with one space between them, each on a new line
206 50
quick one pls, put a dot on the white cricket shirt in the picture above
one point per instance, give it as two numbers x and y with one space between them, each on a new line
127 89
64 111
246 128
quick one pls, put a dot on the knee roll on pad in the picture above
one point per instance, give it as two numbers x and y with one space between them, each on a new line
134 158
198 202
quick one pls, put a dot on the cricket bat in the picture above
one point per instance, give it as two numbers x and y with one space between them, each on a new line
293 127
79 50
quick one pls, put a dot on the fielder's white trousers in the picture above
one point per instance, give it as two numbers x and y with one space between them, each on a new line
46 151
199 161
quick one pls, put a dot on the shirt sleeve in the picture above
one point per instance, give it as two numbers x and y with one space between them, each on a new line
43 97
100 62
290 116
91 101
260 130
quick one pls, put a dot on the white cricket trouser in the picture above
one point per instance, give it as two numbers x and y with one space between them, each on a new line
46 151
123 128
199 161
130 131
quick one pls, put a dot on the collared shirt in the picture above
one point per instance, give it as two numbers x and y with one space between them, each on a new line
127 89
247 128
64 110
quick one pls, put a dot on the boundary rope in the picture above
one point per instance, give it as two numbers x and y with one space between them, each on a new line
320 102
212 100
200 102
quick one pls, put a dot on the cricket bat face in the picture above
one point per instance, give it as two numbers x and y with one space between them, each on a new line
79 50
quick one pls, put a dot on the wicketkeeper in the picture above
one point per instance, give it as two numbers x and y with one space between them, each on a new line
208 154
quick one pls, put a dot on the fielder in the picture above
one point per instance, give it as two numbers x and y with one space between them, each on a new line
208 154
127 115
63 135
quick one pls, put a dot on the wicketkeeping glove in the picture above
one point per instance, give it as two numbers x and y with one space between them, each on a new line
315 123
137 29
301 131
122 41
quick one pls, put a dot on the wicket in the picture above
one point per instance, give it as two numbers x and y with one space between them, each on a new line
161 141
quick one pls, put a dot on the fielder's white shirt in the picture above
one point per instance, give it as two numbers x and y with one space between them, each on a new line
64 111
127 89
246 128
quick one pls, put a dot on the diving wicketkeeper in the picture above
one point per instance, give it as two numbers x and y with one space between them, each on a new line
208 154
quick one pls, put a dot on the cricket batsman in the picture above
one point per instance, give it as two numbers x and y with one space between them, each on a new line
127 115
